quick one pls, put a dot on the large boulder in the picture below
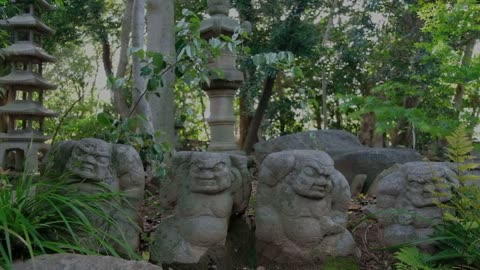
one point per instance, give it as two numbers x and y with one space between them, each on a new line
350 156
82 262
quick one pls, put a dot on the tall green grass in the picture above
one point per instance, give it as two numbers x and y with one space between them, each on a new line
49 216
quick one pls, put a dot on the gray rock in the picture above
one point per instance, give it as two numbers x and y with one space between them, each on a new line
350 156
334 142
206 189
408 197
82 262
301 212
89 162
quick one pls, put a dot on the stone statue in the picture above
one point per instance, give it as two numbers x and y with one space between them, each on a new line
301 212
86 163
208 189
408 197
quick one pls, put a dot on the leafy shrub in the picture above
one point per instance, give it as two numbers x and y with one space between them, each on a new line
458 237
41 217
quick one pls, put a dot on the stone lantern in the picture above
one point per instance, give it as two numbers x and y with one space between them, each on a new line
22 138
222 89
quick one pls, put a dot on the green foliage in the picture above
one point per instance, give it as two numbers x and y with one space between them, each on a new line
40 217
410 258
147 145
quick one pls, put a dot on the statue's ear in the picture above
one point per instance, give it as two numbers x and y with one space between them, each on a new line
451 177
56 158
276 167
241 184
168 189
181 159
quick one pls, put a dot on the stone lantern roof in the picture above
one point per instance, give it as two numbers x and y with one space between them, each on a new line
27 51
27 107
45 5
27 79
27 22
26 136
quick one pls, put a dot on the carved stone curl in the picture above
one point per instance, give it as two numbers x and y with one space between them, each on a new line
301 213
407 200
208 188
88 162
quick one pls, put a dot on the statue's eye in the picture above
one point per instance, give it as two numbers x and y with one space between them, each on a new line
309 171
219 167
78 152
102 160
415 184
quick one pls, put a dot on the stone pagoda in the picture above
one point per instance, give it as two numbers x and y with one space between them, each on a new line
222 89
22 140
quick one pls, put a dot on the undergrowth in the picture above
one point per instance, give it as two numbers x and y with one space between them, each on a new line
41 217
458 236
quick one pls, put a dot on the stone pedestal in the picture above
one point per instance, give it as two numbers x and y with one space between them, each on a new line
222 87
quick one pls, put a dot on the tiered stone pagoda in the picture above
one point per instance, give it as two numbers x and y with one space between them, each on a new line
22 138
222 89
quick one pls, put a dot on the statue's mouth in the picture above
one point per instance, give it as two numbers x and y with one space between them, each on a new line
428 194
87 167
318 188
205 182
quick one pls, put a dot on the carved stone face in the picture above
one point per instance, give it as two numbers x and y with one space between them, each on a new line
425 190
91 159
210 174
313 180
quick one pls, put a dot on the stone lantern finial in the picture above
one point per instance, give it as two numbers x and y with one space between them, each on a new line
218 7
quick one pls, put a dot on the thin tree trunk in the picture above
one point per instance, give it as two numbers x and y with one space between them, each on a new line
140 106
466 60
118 97
161 39
326 36
252 136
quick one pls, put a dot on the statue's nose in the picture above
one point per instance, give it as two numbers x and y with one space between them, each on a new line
90 159
321 180
429 187
206 173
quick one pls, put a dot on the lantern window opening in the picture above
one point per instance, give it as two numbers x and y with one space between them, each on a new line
23 36
15 159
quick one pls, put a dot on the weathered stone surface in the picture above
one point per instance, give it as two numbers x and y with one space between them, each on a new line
350 156
82 262
91 161
334 142
207 188
301 212
407 197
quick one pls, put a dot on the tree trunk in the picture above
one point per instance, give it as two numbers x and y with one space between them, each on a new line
367 135
118 98
161 39
140 106
252 136
466 60
326 36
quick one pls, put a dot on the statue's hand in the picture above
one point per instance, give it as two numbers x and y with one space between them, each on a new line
329 226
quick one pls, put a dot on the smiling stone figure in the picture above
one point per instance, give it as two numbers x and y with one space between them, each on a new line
301 213
208 189
93 166
407 200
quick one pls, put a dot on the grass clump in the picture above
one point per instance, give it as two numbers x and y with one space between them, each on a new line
41 217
